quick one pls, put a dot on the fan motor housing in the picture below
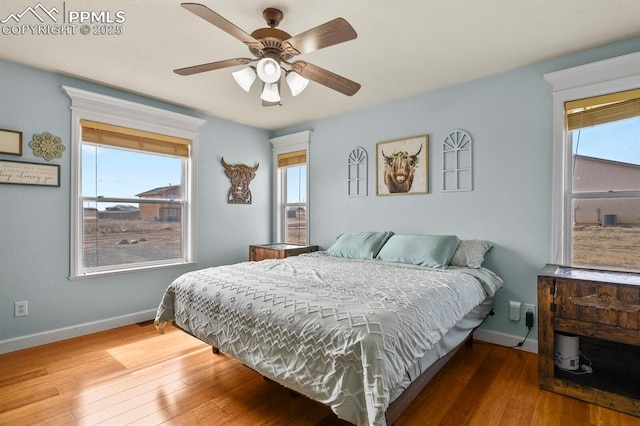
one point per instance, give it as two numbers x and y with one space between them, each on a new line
271 39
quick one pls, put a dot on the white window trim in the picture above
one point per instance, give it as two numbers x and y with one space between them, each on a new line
289 143
598 78
87 105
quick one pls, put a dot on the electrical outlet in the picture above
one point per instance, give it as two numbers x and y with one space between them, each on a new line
528 307
21 309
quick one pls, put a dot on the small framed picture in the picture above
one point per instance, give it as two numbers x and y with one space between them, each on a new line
24 173
10 142
402 166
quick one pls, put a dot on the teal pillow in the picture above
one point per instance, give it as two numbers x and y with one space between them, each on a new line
434 251
359 245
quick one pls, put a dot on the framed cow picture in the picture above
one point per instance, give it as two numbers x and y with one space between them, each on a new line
402 166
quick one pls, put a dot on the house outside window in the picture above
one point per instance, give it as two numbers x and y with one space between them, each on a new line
162 212
126 215
291 181
597 165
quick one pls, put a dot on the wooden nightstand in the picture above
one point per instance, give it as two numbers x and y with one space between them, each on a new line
602 308
278 251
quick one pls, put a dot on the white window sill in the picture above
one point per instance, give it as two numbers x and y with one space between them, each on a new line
86 275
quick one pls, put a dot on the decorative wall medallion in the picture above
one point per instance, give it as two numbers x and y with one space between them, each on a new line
240 176
47 146
604 301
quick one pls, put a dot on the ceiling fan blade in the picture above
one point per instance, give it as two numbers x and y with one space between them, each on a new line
326 78
212 66
325 35
212 17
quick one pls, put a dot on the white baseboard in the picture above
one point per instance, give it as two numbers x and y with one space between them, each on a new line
37 339
503 339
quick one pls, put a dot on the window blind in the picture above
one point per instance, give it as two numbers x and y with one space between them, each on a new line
602 109
292 158
139 140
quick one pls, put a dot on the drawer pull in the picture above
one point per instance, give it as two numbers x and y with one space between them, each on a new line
604 301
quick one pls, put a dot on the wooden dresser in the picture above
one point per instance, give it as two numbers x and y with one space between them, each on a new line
278 251
603 309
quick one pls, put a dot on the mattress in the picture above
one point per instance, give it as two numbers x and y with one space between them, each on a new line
347 333
452 338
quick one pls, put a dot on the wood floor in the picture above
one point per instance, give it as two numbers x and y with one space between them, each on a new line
133 375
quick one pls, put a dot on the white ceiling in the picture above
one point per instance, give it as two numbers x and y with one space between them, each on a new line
404 47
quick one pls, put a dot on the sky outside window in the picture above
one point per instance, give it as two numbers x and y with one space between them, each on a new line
113 172
297 184
615 141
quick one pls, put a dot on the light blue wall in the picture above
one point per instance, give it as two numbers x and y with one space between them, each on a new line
509 117
34 221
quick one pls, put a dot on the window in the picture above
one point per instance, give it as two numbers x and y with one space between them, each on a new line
291 183
293 178
604 199
597 166
132 186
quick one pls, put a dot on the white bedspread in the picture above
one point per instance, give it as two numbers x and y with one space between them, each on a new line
342 332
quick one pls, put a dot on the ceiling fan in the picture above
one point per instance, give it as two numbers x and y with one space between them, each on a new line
272 48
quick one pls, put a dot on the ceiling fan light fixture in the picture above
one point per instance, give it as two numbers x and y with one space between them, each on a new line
271 51
269 70
270 93
245 78
296 83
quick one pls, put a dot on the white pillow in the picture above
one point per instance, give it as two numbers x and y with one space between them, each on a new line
470 253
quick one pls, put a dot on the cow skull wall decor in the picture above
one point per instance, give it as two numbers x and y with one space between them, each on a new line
240 176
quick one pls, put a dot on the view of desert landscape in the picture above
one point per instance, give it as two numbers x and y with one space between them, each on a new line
297 226
609 247
124 241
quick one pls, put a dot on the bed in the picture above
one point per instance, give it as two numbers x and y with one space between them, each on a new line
352 328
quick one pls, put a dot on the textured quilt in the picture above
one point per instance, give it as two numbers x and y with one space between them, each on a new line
343 332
